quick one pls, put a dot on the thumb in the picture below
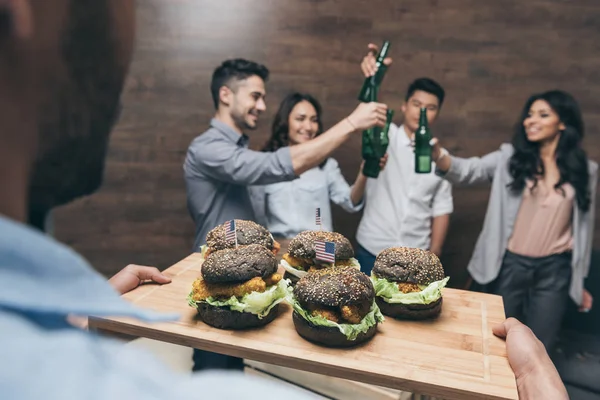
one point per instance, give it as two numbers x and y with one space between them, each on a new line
160 278
151 273
387 61
502 330
373 48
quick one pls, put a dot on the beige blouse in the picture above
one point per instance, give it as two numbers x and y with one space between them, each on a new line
544 222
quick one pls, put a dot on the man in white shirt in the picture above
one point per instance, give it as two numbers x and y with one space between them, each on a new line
403 208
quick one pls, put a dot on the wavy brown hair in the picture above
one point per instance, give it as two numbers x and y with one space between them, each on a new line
571 159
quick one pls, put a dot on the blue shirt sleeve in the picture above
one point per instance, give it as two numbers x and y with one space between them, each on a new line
74 364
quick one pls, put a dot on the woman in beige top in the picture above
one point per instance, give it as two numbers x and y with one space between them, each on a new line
535 245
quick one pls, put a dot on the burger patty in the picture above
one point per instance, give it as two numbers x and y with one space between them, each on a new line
202 290
408 287
306 264
276 247
345 314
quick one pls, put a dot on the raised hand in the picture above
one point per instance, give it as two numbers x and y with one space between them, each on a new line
369 63
367 115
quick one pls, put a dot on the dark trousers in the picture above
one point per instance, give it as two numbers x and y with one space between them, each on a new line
205 360
365 259
535 291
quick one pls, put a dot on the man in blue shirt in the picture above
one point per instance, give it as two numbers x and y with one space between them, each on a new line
62 67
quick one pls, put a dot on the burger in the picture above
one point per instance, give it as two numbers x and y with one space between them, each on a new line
302 255
239 288
335 307
247 232
408 283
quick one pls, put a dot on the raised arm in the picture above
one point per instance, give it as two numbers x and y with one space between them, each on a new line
225 161
310 154
465 171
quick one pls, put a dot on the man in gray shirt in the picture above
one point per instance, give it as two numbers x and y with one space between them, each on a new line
219 167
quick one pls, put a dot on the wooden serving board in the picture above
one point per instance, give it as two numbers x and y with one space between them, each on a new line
453 357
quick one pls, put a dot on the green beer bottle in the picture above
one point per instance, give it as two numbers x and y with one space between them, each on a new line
375 80
368 151
375 146
422 146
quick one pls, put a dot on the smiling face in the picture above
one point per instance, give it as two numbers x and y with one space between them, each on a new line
542 124
412 109
303 123
246 101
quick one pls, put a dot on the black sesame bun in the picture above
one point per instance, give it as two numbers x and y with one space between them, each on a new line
340 294
335 287
410 311
239 264
303 245
408 265
411 269
245 269
225 318
328 336
301 255
247 232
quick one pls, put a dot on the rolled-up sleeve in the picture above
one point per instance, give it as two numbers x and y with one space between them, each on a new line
228 162
442 200
339 190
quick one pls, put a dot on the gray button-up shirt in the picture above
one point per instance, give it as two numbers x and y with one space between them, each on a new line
218 169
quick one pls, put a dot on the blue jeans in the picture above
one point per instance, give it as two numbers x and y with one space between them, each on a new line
366 259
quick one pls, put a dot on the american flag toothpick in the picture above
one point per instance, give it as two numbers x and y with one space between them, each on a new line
230 232
318 218
325 251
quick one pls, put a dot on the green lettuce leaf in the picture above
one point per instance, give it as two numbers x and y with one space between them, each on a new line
203 250
259 303
350 330
390 293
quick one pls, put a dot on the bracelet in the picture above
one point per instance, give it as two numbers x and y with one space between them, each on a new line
443 153
351 124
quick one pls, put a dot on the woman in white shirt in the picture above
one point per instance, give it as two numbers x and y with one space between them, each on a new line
289 207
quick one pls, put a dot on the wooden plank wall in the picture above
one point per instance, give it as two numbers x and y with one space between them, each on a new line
490 56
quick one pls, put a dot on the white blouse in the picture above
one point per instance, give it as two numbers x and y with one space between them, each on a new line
288 208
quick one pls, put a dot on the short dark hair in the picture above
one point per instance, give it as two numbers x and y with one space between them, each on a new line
236 69
426 85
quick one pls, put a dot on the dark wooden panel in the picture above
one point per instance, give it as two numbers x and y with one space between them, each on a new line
489 57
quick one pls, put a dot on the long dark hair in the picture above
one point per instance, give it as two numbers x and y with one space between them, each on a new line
280 136
571 159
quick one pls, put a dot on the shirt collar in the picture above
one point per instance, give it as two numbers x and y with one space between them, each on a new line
40 275
229 132
402 136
